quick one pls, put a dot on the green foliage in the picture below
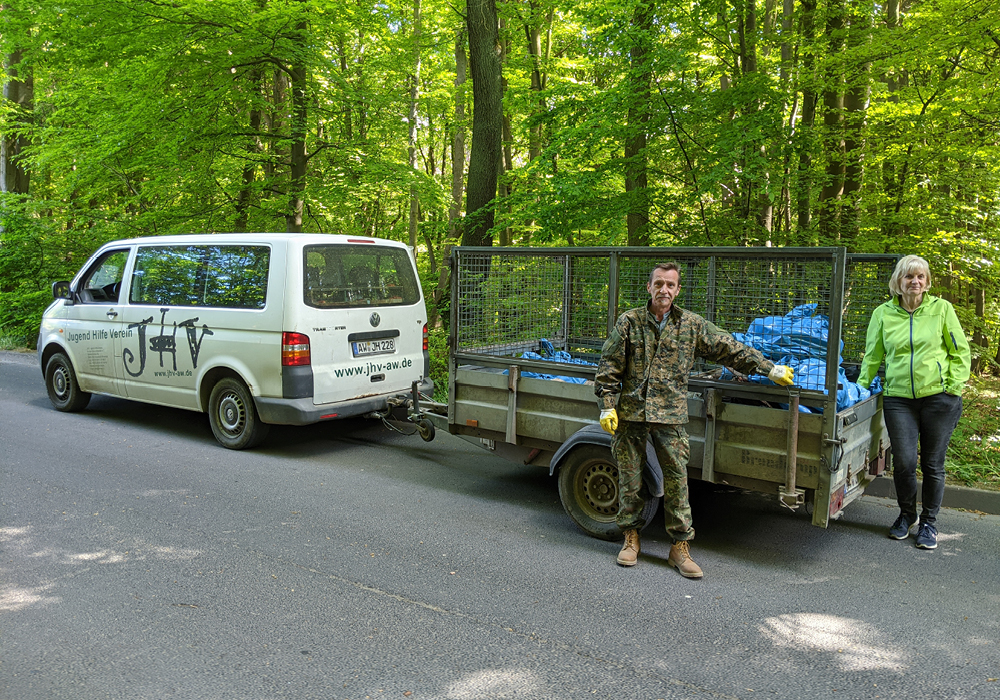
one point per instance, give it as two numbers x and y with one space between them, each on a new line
974 451
437 345
28 265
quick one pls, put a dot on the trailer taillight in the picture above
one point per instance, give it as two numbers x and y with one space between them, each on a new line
294 349
425 336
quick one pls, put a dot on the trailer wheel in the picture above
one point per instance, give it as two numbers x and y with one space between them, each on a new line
588 489
426 429
233 416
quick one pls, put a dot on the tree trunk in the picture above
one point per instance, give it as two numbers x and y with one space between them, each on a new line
727 197
506 167
636 158
804 187
533 32
297 148
457 172
412 140
756 197
254 146
890 176
979 337
539 62
458 140
833 133
443 284
487 121
507 161
787 61
856 106
20 91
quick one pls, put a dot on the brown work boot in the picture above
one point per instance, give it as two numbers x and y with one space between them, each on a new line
630 550
680 559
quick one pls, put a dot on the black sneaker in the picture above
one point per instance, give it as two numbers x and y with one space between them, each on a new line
900 529
927 536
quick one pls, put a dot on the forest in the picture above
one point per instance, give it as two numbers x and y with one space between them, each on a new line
870 125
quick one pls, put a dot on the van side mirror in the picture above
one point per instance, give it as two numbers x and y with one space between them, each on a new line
61 290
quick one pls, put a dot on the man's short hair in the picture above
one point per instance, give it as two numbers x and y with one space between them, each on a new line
666 267
906 266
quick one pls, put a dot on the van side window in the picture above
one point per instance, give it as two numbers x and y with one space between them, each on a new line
103 282
347 276
221 276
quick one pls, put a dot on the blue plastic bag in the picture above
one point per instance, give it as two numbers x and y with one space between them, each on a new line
550 354
799 340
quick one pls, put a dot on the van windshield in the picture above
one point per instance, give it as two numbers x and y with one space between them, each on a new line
347 276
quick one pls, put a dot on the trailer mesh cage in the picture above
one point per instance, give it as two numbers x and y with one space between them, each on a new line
557 305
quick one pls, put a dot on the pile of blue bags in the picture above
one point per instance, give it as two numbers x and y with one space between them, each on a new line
799 339
548 352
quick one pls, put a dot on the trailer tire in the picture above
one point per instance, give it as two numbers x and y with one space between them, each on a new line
588 489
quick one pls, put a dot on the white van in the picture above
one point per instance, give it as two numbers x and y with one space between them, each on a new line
253 329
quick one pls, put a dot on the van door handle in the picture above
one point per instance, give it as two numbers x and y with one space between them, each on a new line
112 313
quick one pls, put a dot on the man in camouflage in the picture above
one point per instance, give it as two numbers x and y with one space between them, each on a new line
645 364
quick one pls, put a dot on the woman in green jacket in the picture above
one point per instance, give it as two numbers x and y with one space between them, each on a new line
927 364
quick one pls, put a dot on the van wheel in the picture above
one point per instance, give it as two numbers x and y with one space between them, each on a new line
588 489
60 382
233 416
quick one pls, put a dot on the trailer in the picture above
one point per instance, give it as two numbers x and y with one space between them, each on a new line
528 324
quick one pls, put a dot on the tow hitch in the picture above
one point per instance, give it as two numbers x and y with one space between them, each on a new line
416 416
414 413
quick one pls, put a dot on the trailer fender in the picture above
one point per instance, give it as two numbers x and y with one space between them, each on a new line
594 434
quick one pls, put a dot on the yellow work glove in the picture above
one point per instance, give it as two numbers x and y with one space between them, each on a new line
782 374
609 420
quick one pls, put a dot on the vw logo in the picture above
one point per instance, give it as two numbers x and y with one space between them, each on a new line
374 320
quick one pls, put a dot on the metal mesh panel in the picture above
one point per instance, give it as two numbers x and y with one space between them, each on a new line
866 286
508 300
588 304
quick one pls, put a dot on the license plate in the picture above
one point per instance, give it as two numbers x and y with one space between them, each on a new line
374 347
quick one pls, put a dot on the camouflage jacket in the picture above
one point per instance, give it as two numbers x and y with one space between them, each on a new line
649 369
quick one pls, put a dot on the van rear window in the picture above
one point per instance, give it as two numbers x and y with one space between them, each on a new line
346 276
221 276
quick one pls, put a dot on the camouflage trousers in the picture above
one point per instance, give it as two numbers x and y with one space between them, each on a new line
670 442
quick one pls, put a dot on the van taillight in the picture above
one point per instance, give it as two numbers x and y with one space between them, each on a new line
425 336
294 349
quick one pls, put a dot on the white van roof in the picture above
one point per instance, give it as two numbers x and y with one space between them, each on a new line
302 238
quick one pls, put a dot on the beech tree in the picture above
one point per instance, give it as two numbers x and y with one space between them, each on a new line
487 121
18 98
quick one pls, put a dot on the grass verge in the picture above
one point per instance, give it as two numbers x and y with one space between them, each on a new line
9 342
974 452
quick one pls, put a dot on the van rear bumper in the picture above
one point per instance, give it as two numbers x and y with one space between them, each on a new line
304 411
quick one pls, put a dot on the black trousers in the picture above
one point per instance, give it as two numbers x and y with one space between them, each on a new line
929 423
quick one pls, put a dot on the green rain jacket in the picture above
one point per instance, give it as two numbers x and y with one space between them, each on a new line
925 352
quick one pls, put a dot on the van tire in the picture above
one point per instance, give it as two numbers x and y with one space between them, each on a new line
60 382
233 415
588 489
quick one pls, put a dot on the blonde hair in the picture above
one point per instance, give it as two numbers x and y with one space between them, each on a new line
906 266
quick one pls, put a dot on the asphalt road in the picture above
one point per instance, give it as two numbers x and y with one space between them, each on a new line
138 559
